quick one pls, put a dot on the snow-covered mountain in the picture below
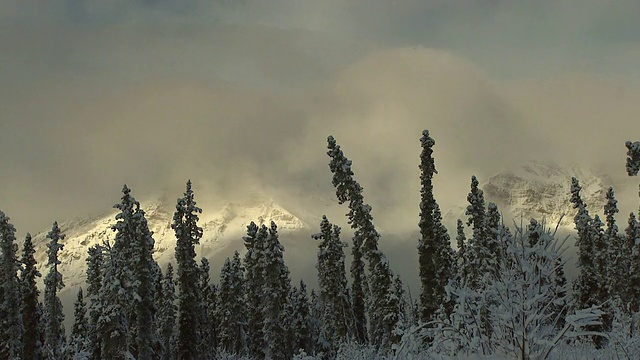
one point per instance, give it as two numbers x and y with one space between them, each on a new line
223 228
541 191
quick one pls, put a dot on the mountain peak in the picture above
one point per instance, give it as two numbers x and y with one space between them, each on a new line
220 227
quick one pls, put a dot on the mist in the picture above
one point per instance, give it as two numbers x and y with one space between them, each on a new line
240 96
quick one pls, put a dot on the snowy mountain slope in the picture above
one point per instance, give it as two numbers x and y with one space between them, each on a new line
541 191
222 227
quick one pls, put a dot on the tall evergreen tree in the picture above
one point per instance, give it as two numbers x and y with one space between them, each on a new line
590 287
167 316
463 264
144 268
55 340
95 262
277 285
232 310
117 296
434 249
586 284
359 291
618 253
338 318
253 263
301 319
209 333
493 241
11 326
477 251
316 324
32 347
632 232
188 234
79 341
382 305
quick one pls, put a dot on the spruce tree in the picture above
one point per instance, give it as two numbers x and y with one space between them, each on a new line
276 290
382 305
633 157
209 335
477 251
95 262
32 347
166 317
117 296
338 315
301 320
618 255
55 340
316 324
493 241
435 258
11 327
463 264
232 312
632 232
359 291
444 260
560 290
79 342
254 264
188 234
590 287
586 284
144 268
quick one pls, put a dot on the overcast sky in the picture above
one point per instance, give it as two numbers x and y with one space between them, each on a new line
241 95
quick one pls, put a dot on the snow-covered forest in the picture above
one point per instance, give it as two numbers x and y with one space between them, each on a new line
499 292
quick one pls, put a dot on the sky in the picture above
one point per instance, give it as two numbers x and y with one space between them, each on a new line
241 95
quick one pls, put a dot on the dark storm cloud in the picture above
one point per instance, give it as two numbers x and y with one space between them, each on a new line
239 95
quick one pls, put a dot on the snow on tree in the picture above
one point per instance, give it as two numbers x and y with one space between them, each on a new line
301 320
188 234
632 232
618 254
338 316
461 255
520 303
477 251
144 268
232 312
95 261
436 259
118 297
633 157
253 263
359 291
493 237
382 306
586 286
11 326
32 346
79 342
591 287
277 285
209 328
316 324
166 316
55 340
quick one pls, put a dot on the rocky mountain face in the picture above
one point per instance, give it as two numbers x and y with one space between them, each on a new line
223 229
542 191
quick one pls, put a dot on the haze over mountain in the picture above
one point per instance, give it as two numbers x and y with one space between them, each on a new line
240 96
